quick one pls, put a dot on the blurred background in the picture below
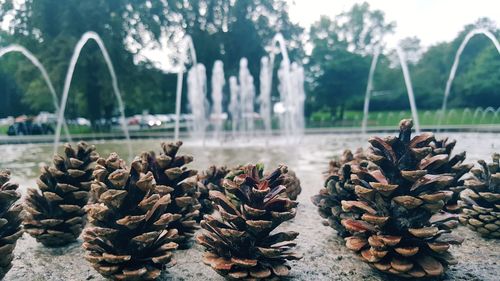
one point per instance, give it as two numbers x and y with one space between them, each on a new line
334 43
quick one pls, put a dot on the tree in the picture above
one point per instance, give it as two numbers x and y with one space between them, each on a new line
221 29
341 56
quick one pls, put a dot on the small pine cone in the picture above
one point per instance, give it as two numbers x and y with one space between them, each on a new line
10 221
128 236
211 179
292 183
397 232
339 186
481 200
171 173
237 238
442 149
55 215
347 157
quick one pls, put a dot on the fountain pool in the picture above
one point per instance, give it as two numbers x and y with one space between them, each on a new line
325 258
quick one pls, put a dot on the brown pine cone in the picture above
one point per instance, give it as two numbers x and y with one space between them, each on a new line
129 236
237 238
55 215
397 232
10 221
171 174
211 179
339 186
481 199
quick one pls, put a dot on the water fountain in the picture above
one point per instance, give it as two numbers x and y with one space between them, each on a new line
289 97
197 97
218 82
242 91
485 113
186 45
408 84
451 113
246 98
369 88
454 67
497 113
234 104
298 97
284 91
86 37
265 94
464 113
425 116
479 110
22 50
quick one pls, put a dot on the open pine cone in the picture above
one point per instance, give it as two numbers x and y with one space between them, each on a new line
10 221
292 183
129 236
347 157
55 215
338 187
237 238
396 232
481 200
171 173
452 165
211 179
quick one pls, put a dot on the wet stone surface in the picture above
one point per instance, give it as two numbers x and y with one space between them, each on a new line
325 257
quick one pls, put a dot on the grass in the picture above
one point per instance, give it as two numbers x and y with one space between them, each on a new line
457 116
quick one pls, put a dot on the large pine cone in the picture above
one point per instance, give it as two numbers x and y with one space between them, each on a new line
453 165
481 199
237 238
171 173
129 236
397 232
339 186
211 179
55 215
10 221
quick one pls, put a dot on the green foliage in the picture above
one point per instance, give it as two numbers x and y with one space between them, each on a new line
227 30
221 29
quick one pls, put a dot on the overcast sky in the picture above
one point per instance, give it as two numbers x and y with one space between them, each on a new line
430 20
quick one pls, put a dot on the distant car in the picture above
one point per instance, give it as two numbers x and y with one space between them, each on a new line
28 127
82 122
164 118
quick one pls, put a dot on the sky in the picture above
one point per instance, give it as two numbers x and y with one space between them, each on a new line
432 21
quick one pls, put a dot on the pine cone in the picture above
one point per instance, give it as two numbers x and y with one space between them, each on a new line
452 165
10 221
181 183
397 232
339 186
129 236
237 238
481 199
55 215
210 179
292 183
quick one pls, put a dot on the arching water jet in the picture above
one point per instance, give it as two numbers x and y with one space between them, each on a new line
408 84
186 45
29 55
86 37
454 67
